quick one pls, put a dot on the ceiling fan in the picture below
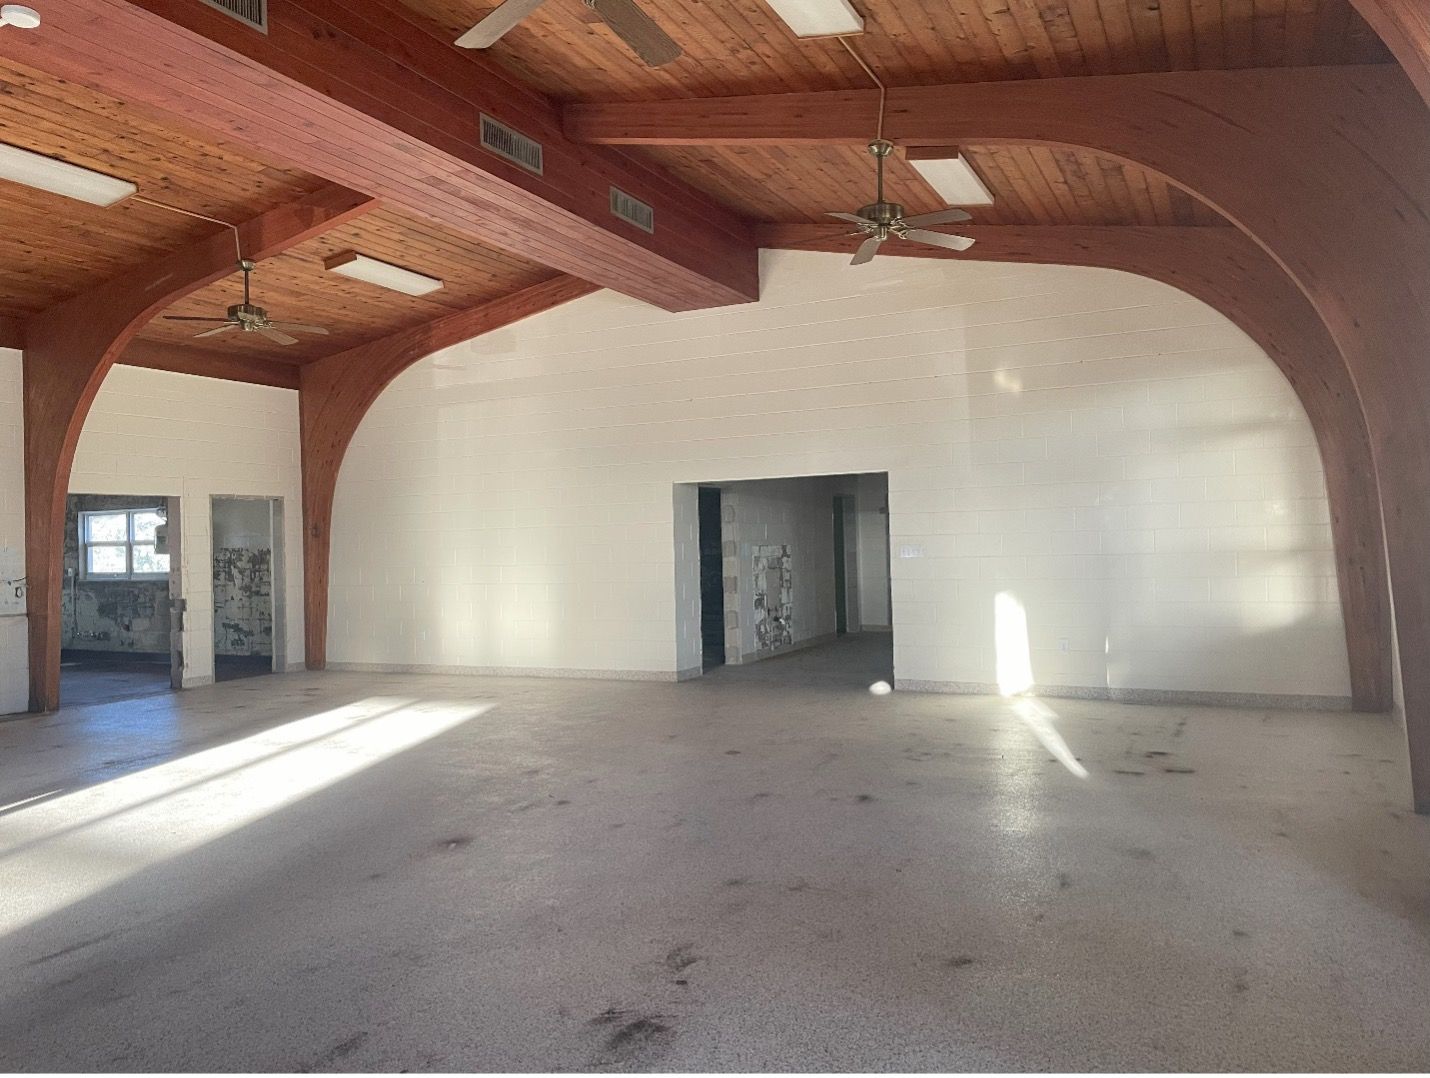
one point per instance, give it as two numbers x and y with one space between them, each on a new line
625 18
250 318
880 220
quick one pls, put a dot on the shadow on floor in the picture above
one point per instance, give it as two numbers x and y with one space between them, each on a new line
88 677
856 660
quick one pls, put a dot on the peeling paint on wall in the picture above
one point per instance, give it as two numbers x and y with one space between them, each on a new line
774 598
243 601
110 615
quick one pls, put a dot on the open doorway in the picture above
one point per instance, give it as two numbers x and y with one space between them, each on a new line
116 626
246 576
795 569
712 581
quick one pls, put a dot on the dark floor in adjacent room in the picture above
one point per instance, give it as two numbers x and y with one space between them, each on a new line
99 677
767 868
233 667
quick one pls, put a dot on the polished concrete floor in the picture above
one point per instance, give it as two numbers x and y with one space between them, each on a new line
768 868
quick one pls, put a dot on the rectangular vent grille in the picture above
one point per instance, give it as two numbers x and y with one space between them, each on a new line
252 13
511 144
632 210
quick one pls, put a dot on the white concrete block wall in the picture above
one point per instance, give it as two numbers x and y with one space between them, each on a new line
155 432
1110 451
14 639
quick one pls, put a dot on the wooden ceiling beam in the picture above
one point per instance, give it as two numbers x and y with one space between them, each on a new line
209 363
1283 154
362 93
68 351
337 391
1226 270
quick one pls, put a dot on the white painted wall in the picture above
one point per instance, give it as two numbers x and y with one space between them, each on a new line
197 438
14 641
1112 452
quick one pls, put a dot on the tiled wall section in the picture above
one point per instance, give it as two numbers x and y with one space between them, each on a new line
178 435
14 643
1113 453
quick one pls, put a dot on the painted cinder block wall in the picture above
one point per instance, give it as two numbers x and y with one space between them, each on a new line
14 638
1114 454
174 435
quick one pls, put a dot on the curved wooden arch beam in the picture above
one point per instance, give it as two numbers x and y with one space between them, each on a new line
1228 272
1328 169
335 393
68 351
1404 25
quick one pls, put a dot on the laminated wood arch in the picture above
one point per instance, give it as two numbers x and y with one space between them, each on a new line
1327 169
68 351
1228 272
336 392
1404 25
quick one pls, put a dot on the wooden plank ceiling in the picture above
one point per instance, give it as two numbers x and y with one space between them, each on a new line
741 47
53 248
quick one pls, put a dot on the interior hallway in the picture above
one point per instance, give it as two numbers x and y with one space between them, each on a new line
766 868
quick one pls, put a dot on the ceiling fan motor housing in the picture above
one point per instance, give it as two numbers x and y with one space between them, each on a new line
246 313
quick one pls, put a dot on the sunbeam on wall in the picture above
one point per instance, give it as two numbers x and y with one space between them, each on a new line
58 852
1014 664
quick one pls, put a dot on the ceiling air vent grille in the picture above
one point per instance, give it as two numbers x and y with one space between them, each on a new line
632 210
252 13
507 142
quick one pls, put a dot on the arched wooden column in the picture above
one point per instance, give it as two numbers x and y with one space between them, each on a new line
1328 169
1227 271
68 351
335 393
1404 25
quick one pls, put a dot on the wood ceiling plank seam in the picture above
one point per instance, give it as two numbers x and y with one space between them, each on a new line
1009 202
1114 176
1115 210
725 40
1014 46
1183 213
342 118
1049 32
1121 37
1150 188
910 36
945 25
1089 207
760 47
1033 194
1178 34
1147 30
1091 35
978 31
1300 32
1332 31
1207 33
1239 33
1270 33
1049 167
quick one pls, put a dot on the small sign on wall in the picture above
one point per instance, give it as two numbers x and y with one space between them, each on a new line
12 582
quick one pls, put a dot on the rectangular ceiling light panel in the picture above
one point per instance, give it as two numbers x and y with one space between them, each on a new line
62 178
953 178
819 18
385 274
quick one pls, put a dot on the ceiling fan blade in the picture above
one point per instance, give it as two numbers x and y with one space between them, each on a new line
938 217
938 239
276 335
854 217
638 30
497 22
867 250
190 318
216 332
299 327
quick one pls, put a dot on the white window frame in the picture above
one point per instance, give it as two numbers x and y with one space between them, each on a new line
128 544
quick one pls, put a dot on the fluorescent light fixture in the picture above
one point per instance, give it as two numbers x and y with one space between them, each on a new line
950 175
819 18
385 274
62 178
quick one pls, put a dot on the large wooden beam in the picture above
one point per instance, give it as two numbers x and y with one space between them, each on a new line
1404 25
209 363
362 93
68 350
1224 269
1328 169
337 391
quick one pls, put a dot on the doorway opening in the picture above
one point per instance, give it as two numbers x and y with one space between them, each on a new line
120 583
793 568
247 576
712 581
